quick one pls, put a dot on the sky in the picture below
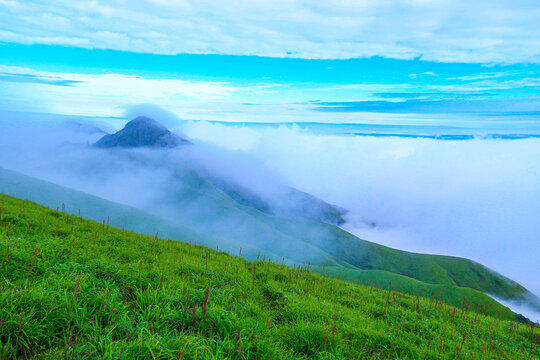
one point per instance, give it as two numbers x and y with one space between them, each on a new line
482 31
282 61
91 82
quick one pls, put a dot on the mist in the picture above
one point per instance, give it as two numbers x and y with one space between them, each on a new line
193 185
477 199
474 198
166 118
520 307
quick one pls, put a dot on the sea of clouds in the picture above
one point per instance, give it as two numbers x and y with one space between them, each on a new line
475 198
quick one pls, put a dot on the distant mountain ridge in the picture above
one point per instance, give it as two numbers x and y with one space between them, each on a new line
142 132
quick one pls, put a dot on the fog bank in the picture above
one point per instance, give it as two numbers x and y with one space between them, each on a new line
476 198
520 308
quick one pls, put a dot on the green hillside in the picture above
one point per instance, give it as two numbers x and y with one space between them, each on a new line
325 247
98 209
74 288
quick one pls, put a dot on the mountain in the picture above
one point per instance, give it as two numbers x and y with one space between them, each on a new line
141 132
74 288
145 132
221 222
285 201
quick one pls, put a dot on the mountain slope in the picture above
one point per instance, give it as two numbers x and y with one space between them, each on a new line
342 254
73 288
101 210
143 132
95 208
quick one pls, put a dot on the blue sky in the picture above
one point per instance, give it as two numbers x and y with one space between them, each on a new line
340 61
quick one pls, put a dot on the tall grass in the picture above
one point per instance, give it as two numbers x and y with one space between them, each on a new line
72 288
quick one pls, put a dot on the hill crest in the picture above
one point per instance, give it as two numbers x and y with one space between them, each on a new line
142 132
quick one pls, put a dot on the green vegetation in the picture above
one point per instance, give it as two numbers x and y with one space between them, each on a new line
74 288
327 248
452 295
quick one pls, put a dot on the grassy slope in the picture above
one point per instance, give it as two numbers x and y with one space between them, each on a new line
197 201
95 208
298 240
321 243
75 288
98 209
355 253
453 295
434 269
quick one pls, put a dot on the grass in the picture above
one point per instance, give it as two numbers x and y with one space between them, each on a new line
329 249
74 288
453 295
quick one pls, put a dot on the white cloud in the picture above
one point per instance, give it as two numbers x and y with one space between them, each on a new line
8 2
442 30
485 75
102 94
490 84
477 199
520 308
9 36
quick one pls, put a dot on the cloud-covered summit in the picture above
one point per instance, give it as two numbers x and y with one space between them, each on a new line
142 132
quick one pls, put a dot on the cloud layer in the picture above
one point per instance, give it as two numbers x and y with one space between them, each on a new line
443 30
477 198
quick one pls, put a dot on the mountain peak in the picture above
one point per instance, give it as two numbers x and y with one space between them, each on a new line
144 121
142 132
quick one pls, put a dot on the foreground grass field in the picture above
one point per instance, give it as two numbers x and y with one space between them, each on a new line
339 254
73 288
